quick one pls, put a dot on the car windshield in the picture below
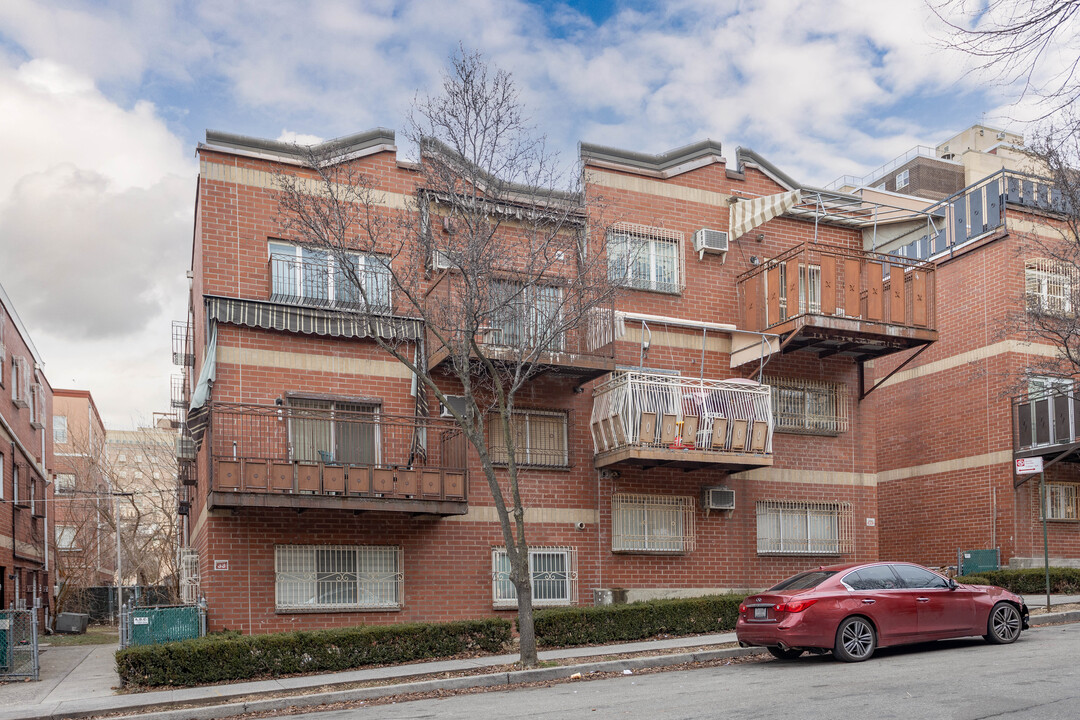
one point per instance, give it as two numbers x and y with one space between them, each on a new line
803 581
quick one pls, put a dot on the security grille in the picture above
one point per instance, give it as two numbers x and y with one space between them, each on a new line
553 571
539 438
1049 286
18 645
330 577
1060 504
796 528
190 583
811 407
652 523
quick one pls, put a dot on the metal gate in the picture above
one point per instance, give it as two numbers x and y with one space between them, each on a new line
18 645
163 624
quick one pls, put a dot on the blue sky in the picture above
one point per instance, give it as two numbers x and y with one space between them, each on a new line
102 104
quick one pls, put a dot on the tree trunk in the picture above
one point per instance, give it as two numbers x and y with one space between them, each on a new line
520 576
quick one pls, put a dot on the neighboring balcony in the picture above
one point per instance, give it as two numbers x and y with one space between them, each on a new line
523 327
835 301
1046 423
651 420
322 281
309 458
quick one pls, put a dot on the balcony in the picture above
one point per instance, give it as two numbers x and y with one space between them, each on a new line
309 458
656 420
834 301
1046 423
524 328
323 282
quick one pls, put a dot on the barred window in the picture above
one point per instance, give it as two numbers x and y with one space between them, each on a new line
1049 286
312 276
338 577
795 528
539 438
1060 502
645 258
810 407
809 291
553 571
334 431
652 523
525 316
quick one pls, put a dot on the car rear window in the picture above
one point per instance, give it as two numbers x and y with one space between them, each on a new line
803 581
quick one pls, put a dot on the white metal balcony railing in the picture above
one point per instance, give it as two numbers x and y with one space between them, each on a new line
648 410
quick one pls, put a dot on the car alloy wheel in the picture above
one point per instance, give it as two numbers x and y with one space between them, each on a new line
1003 627
855 640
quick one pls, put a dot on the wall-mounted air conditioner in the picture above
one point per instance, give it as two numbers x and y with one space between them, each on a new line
711 241
718 498
457 402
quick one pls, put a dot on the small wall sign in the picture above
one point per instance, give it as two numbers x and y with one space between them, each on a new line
871 522
221 564
141 621
1029 466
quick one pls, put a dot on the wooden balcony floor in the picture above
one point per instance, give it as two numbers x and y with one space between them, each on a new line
863 339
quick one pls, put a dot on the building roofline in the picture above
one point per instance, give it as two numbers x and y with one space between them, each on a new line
23 333
350 146
744 155
85 394
665 164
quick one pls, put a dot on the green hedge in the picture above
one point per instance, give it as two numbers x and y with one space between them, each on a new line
1029 581
561 627
221 658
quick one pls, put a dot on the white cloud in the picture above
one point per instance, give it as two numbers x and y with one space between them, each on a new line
290 136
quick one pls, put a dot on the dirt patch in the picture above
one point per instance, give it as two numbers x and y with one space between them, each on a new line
1041 609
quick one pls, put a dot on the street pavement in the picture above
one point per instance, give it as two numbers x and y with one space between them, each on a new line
80 681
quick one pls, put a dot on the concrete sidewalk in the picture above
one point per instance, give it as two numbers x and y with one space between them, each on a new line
81 681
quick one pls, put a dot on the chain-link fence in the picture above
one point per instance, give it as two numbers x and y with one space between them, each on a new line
18 645
162 624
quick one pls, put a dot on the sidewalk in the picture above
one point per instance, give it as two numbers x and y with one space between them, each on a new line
80 681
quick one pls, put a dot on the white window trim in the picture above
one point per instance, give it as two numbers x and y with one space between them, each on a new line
525 454
652 235
71 535
903 179
1048 286
300 578
1061 503
503 592
362 259
807 543
61 438
329 416
660 524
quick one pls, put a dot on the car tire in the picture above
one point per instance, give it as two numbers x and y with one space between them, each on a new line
855 640
1004 624
784 653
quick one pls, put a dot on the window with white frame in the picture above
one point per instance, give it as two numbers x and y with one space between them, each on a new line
334 431
652 523
65 483
811 407
553 571
798 528
1048 286
525 316
1060 502
310 276
645 258
902 179
338 577
809 291
60 429
66 538
539 438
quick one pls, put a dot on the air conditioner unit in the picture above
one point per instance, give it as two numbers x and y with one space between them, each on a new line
711 241
1001 136
457 402
718 498
444 260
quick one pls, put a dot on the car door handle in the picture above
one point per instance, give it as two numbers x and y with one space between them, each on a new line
868 601
922 599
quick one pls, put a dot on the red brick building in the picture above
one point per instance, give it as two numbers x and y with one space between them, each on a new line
658 466
26 458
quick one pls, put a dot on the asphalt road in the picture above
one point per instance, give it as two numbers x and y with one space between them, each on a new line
1037 677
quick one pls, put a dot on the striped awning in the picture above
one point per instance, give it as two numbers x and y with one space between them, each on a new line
198 415
748 214
308 320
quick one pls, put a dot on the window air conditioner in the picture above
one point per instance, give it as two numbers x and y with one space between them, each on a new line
711 241
457 402
445 260
718 498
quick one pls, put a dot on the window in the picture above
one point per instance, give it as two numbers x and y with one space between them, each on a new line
65 484
1060 502
794 528
902 179
539 438
645 259
60 429
65 538
809 407
525 316
37 406
1048 286
338 577
876 577
1045 394
918 578
553 571
308 276
809 291
652 523
334 431
20 381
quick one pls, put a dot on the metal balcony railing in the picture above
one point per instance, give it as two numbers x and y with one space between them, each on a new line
1045 419
663 412
323 283
183 352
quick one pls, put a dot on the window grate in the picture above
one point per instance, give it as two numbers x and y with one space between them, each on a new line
1049 285
336 577
652 523
540 438
553 571
798 528
1061 505
811 407
645 258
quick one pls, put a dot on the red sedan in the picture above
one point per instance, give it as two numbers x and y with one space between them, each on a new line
854 609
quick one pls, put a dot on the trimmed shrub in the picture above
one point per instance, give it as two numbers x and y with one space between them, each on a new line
227 657
1029 581
561 627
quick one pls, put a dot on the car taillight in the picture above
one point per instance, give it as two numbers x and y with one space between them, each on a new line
795 606
742 609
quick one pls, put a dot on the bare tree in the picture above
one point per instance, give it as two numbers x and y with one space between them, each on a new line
493 256
1035 43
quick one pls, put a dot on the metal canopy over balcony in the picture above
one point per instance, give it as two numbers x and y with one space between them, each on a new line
1046 423
651 420
837 301
339 457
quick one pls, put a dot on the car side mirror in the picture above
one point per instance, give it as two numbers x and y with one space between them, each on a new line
952 584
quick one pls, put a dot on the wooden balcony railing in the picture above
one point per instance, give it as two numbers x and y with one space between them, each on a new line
652 419
304 457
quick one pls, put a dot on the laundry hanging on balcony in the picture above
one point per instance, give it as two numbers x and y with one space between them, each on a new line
745 215
198 415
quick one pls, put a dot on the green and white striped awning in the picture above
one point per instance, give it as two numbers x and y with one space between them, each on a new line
308 320
748 214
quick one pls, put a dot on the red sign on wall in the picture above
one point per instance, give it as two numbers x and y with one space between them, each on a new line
221 564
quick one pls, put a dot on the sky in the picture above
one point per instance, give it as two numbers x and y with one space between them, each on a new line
102 105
